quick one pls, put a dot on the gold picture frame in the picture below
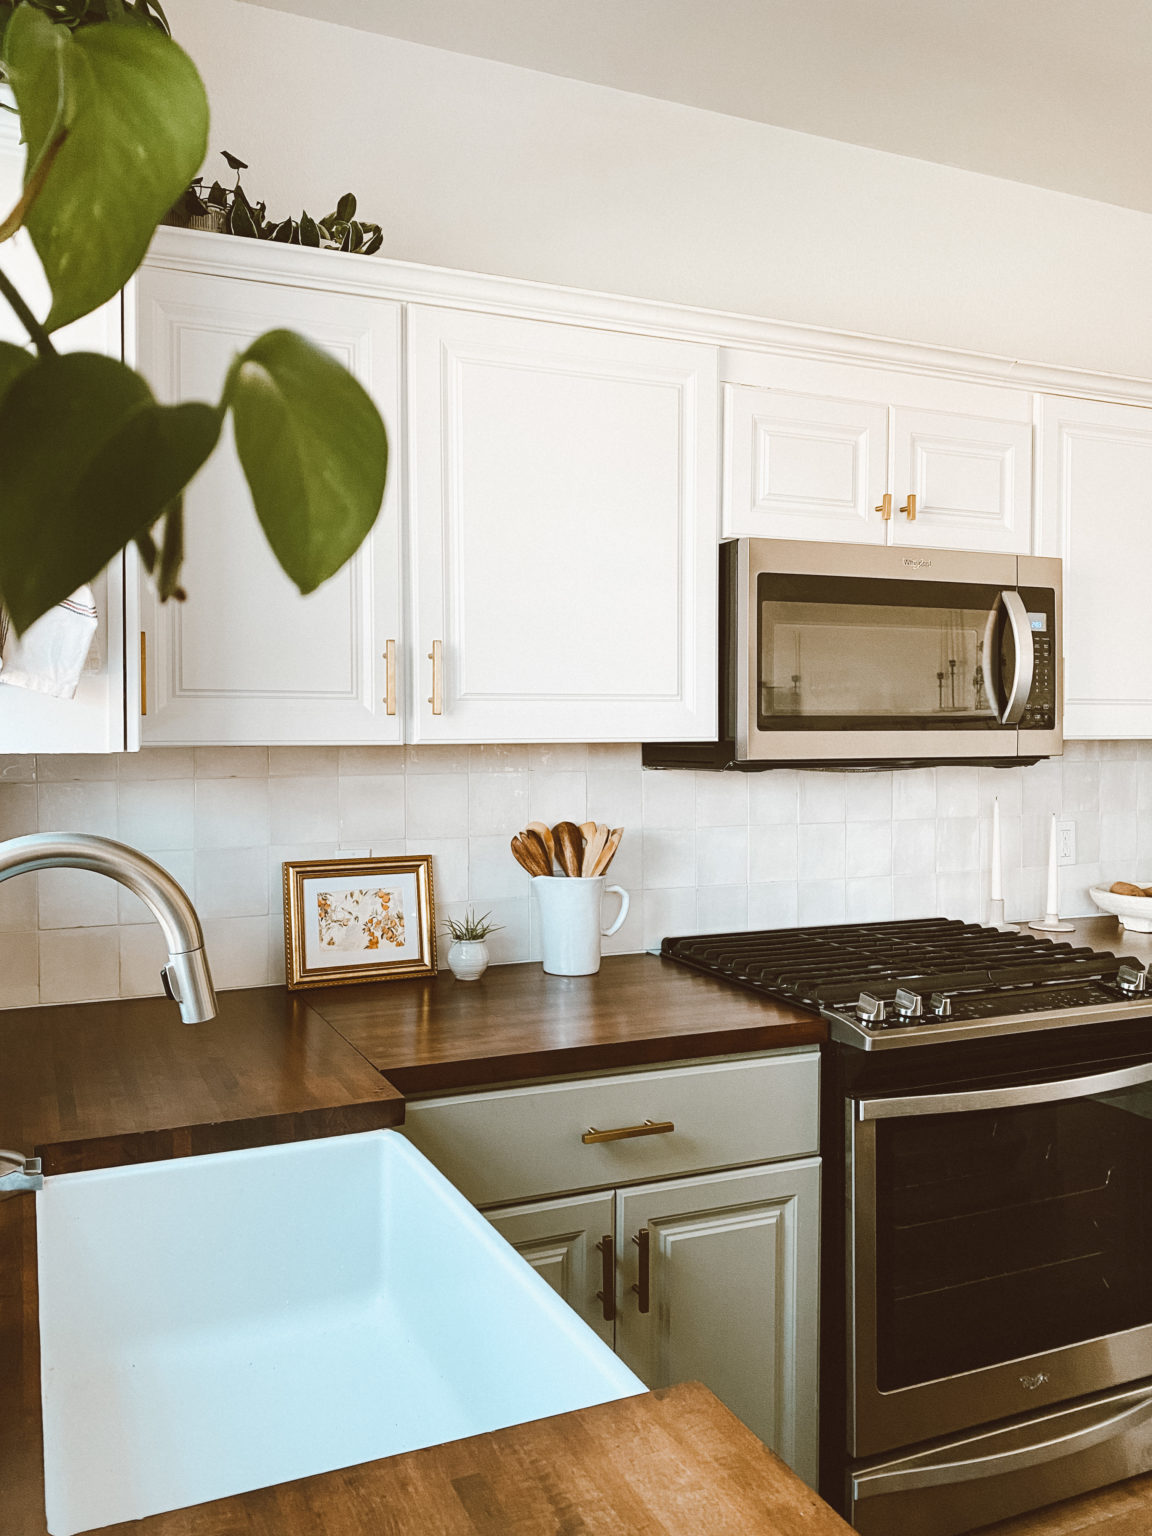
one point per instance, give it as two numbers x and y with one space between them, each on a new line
353 920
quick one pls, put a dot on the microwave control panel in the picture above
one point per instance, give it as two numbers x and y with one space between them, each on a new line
1040 711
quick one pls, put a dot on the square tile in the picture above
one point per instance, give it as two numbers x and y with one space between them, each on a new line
616 796
156 763
772 853
230 762
19 970
669 858
869 797
232 882
371 808
156 813
497 803
76 807
231 813
304 810
557 796
823 797
668 914
558 757
370 761
957 844
914 848
490 758
143 954
773 796
868 849
436 805
820 852
76 898
722 856
669 797
957 791
18 813
449 865
237 949
303 762
772 904
721 799
914 896
62 766
493 874
18 768
913 793
79 965
435 759
869 900
820 901
722 908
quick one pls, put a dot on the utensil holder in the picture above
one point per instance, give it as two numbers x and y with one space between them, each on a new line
570 922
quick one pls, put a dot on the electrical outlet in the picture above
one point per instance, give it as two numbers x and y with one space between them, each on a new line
1066 842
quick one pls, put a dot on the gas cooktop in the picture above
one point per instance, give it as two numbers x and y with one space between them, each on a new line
883 985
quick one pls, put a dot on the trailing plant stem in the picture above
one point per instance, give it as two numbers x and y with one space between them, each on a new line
27 319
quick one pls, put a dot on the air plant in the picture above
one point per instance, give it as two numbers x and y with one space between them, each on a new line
470 929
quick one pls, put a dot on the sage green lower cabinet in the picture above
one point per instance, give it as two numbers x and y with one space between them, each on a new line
563 1241
731 1293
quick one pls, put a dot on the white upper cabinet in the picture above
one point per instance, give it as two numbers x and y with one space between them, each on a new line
1097 515
563 507
246 658
839 452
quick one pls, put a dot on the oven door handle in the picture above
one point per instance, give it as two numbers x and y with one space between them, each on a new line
975 1099
971 1469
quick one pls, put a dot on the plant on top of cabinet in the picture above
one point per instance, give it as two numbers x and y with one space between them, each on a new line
230 210
115 118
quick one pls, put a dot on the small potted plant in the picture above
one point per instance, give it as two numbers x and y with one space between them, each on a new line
468 956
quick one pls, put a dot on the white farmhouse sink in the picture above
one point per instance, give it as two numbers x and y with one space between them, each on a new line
216 1324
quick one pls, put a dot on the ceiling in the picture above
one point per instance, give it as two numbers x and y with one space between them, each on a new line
1051 92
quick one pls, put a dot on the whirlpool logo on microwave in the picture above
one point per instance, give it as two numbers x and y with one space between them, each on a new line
916 565
1030 1383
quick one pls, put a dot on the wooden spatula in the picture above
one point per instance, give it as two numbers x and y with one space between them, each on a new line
544 833
569 843
529 856
593 848
535 841
608 852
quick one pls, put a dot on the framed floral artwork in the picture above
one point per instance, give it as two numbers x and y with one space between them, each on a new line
348 920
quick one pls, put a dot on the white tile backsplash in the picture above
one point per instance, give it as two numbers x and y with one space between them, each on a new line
700 851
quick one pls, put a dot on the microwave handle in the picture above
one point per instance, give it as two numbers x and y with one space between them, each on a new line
1024 658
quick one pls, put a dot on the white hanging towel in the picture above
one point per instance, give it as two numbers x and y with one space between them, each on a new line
50 656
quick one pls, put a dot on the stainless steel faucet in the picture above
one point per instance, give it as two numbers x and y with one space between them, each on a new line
186 977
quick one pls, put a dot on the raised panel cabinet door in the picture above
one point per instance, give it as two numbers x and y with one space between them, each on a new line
803 467
564 521
246 658
971 477
1097 516
569 1243
730 1295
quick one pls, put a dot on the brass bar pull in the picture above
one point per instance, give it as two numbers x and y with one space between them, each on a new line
909 509
642 1286
626 1132
885 507
143 673
436 657
607 1296
390 678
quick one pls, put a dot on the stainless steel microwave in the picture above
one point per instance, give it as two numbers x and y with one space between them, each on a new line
865 656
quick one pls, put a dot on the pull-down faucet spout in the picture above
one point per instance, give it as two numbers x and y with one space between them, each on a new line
186 977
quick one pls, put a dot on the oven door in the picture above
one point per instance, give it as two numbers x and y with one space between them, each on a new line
865 654
999 1251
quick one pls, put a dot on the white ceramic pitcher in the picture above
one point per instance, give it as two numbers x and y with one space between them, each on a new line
570 922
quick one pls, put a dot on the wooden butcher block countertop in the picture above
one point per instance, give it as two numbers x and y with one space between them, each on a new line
667 1463
515 1023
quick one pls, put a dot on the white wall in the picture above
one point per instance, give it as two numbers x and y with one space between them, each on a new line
702 852
493 168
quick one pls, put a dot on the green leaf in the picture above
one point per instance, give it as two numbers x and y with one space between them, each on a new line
313 449
13 362
241 222
137 121
309 230
373 244
90 461
346 208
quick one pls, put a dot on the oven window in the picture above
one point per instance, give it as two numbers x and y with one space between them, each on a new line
1010 1232
846 653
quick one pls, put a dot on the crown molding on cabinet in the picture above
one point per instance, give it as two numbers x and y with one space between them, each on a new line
225 255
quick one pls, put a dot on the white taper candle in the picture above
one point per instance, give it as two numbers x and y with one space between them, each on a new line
997 891
1052 905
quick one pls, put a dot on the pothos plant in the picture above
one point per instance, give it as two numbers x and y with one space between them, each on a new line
115 119
339 230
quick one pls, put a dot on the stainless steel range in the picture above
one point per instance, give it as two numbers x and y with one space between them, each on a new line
987 1271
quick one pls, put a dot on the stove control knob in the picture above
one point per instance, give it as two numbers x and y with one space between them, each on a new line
941 1005
871 1010
909 1005
1132 980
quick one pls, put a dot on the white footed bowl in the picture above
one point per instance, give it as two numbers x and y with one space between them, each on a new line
1134 912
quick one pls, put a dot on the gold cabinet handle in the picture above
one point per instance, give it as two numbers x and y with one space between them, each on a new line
885 507
436 657
643 1284
909 509
143 673
390 677
625 1132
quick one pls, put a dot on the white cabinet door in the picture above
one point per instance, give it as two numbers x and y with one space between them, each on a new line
731 1295
569 1243
971 477
246 658
95 720
563 499
803 467
1097 515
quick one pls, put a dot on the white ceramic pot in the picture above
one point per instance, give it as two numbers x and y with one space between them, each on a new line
570 923
468 959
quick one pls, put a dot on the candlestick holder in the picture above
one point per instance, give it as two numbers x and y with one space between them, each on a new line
996 916
1052 924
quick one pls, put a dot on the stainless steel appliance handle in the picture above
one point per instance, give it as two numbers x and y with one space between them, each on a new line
989 658
1008 1097
966 1470
1024 648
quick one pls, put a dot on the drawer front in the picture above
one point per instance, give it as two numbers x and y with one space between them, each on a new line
519 1142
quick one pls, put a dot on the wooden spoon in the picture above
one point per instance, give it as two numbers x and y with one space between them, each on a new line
529 857
587 829
533 840
608 852
569 844
544 833
593 848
